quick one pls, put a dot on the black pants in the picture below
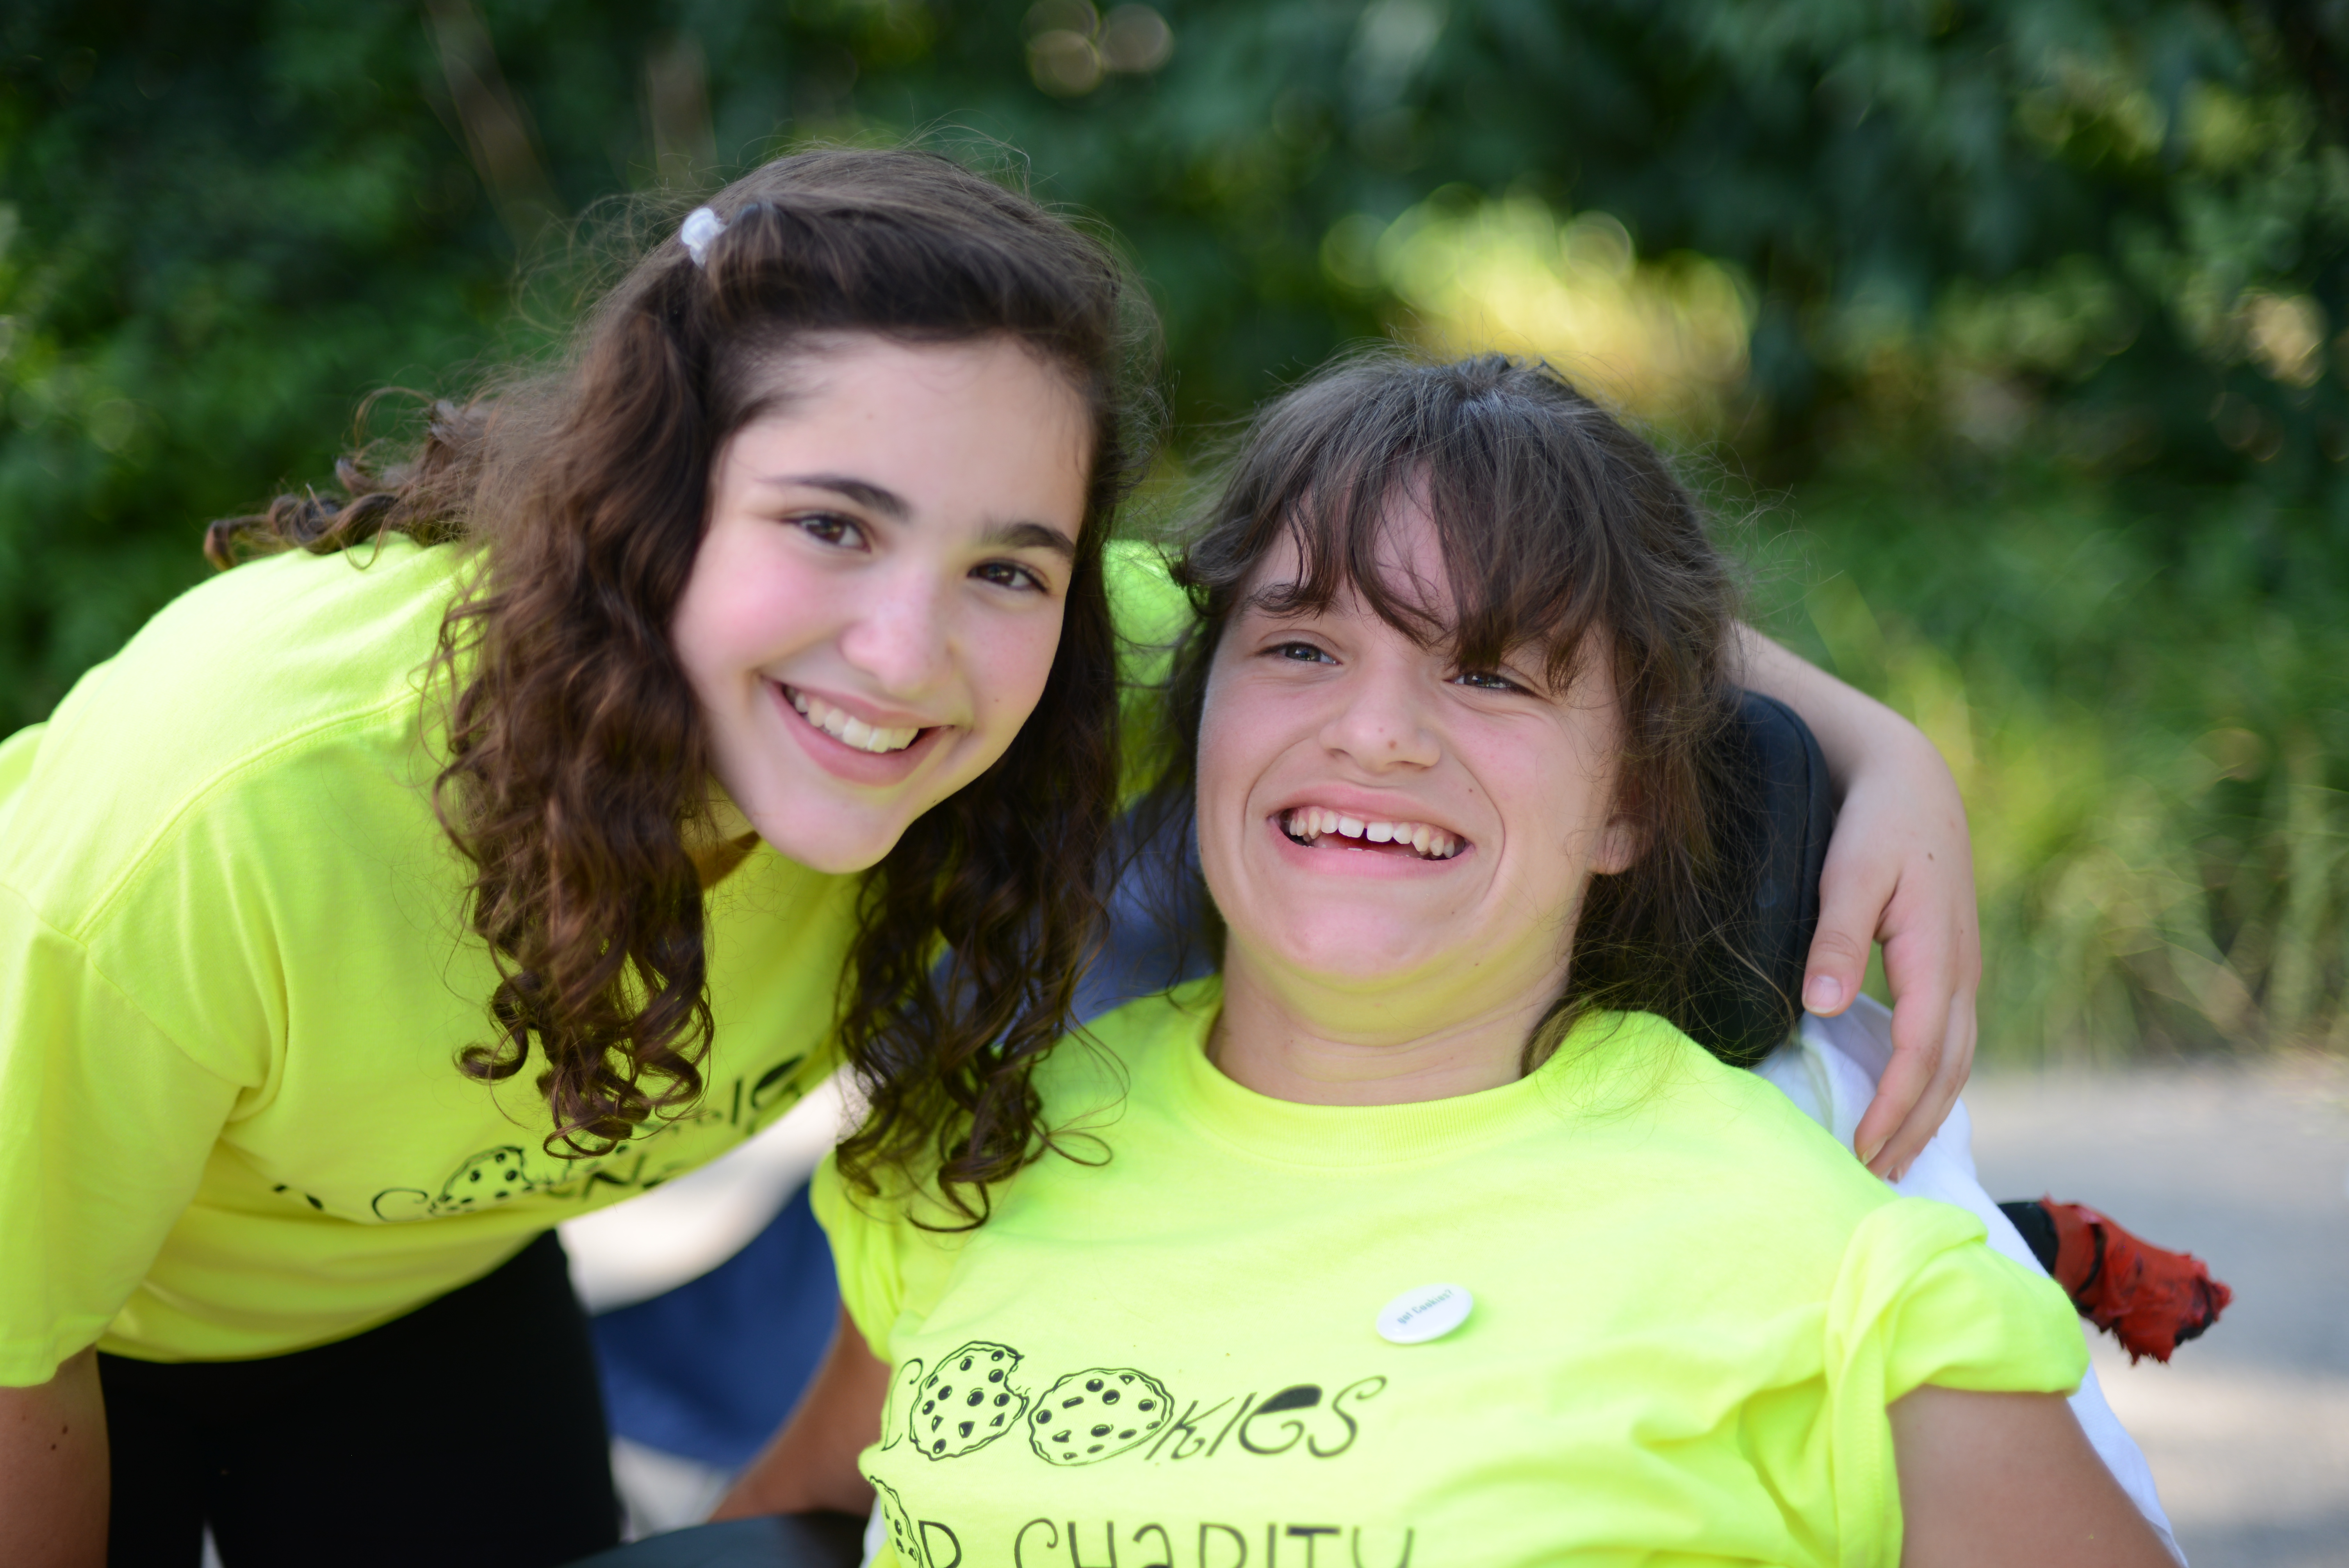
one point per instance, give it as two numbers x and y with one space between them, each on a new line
468 1431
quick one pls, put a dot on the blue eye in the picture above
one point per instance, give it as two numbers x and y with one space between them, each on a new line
1486 680
1301 653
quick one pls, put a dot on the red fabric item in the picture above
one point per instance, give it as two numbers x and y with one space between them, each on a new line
2150 1299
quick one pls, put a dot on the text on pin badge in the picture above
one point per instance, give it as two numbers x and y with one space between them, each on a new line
1430 1311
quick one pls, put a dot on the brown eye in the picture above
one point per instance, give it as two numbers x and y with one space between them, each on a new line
1009 574
828 528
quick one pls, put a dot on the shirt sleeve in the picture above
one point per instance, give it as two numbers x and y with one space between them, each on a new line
1920 1299
861 1257
105 1128
887 1265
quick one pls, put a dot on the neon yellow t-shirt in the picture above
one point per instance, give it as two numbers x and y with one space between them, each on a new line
1690 1308
235 977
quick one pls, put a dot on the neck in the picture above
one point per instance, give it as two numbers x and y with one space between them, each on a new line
1292 1037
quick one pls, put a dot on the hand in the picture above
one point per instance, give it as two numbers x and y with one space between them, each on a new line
1900 871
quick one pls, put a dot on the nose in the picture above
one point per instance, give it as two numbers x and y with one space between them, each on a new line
897 633
1379 720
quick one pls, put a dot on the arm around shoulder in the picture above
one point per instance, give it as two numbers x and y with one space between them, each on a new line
1900 872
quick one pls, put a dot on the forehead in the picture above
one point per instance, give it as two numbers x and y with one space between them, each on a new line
1457 584
982 422
1308 571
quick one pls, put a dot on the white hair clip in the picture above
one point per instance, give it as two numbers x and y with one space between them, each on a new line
702 228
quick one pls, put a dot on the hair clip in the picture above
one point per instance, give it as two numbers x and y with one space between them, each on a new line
700 229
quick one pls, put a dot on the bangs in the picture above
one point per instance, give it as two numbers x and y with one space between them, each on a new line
1527 497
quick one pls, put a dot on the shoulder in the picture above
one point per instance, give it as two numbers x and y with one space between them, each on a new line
1665 1105
225 705
1090 1074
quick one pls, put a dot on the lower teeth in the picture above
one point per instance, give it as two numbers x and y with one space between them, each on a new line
1315 842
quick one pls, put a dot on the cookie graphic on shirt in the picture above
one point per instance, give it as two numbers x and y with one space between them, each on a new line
902 1533
490 1177
905 1392
967 1401
1097 1415
483 1181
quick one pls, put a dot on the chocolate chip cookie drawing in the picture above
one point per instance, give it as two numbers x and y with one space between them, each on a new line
902 1533
904 1393
483 1181
966 1402
1098 1414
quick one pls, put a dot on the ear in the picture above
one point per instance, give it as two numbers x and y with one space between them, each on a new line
1620 844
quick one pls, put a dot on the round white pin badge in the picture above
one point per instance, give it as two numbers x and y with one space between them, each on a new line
1430 1311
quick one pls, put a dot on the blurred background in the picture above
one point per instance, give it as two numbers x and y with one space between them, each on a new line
2007 332
2006 338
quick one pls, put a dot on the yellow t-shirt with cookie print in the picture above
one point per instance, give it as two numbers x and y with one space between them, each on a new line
235 976
1687 1310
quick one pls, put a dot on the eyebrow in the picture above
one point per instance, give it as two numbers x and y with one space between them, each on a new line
887 503
1030 536
894 506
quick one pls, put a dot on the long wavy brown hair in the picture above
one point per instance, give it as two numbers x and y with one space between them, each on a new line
575 761
1561 530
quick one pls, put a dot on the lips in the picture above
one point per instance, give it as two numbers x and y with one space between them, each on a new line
1317 826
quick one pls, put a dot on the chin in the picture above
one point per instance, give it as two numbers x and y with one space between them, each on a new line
1352 952
836 849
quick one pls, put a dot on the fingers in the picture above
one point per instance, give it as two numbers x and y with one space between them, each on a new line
1850 907
1930 966
1913 1102
1881 1139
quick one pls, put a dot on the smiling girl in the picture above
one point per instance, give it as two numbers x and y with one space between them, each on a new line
671 705
1417 1237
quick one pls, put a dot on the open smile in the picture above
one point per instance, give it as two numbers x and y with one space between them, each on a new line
847 728
1319 827
853 748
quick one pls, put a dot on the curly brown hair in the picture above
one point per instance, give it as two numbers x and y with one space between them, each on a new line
1559 529
576 758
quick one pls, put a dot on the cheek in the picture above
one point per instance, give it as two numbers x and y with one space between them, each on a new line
1221 761
1240 743
1562 799
744 606
1011 661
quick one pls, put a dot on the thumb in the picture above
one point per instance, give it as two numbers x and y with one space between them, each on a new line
1839 950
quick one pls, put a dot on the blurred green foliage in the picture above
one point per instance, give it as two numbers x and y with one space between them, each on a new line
2023 313
2148 738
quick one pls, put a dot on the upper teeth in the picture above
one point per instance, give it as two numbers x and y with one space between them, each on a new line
849 729
1309 822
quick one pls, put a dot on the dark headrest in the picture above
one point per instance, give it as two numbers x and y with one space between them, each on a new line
1749 980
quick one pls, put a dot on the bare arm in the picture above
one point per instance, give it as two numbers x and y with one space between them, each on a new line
53 1469
1900 871
810 1463
2008 1480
